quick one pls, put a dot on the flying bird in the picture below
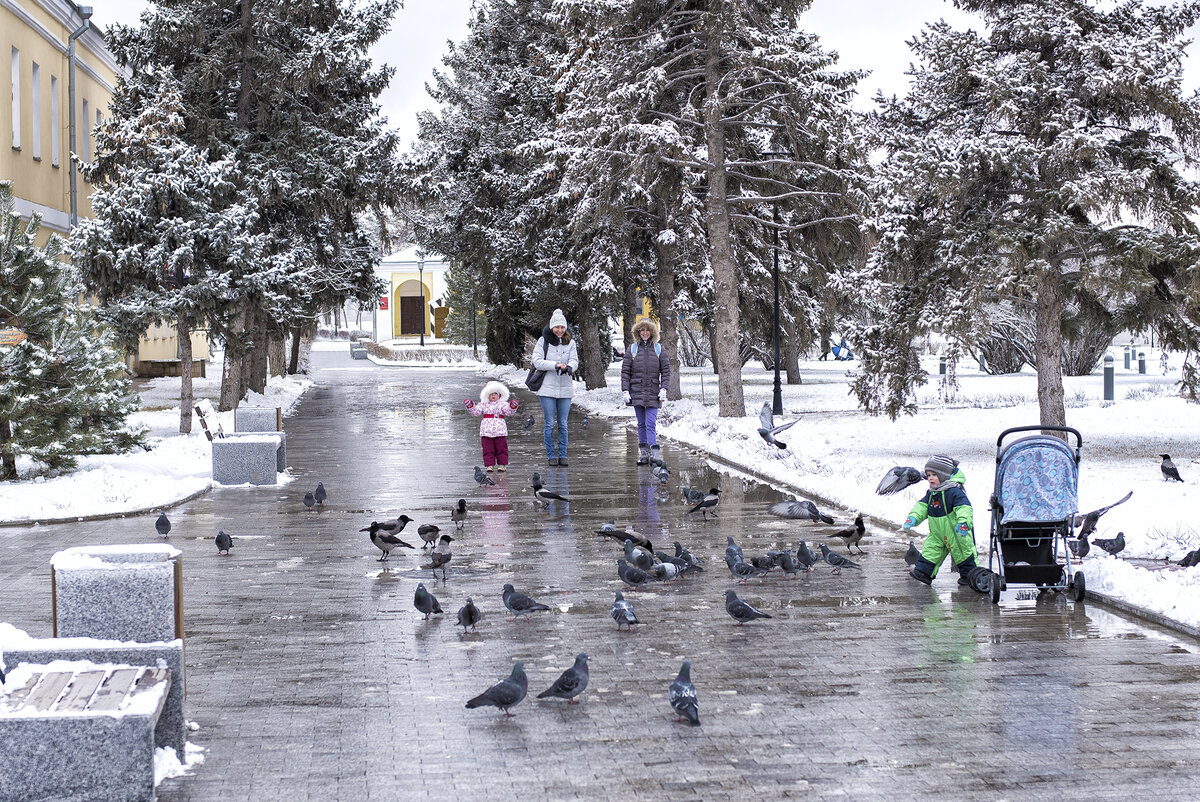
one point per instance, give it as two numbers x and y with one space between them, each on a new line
1169 471
506 693
546 496
425 602
319 494
519 604
1190 559
682 696
804 510
224 543
631 576
740 610
458 513
852 535
529 423
469 615
571 682
708 503
482 478
767 428
310 500
440 556
163 524
428 533
897 479
1087 522
1112 545
837 561
622 612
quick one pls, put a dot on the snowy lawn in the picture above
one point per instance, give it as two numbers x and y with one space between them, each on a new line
837 454
175 468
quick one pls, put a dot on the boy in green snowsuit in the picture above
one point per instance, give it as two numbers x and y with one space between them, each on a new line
951 522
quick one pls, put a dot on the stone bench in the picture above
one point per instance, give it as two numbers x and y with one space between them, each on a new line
125 593
252 458
358 352
258 419
80 731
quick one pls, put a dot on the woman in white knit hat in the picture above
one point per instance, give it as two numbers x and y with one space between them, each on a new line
557 354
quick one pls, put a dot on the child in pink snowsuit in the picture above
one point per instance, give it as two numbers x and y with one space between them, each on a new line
493 431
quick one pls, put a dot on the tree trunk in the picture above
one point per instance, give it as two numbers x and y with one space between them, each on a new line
668 321
726 312
1048 346
257 363
294 360
8 468
791 355
630 309
711 334
592 359
231 367
186 396
277 353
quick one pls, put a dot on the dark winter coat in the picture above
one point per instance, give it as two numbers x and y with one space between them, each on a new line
643 375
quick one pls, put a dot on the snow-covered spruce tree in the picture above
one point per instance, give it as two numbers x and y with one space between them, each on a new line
170 233
731 82
1045 155
64 392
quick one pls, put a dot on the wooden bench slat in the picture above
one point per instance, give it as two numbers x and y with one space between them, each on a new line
150 678
80 693
113 690
17 697
48 690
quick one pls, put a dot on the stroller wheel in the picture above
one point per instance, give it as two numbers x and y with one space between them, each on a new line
1079 586
994 588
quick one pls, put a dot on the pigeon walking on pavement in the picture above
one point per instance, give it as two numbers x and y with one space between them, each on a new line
837 561
519 604
630 575
310 501
458 513
692 496
546 496
852 535
743 571
806 557
622 612
506 693
912 554
570 683
482 478
767 428
897 479
682 696
319 495
741 611
682 552
788 565
1087 522
1114 545
469 615
664 572
428 533
163 524
224 543
440 556
425 602
1169 471
638 557
708 503
586 420
804 510
733 550
529 423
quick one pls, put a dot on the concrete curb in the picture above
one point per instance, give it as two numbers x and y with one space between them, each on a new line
108 515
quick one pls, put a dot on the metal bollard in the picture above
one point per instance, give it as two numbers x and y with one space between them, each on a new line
942 365
1141 362
1127 349
1108 377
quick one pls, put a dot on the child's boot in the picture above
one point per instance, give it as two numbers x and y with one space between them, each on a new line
964 569
643 454
922 571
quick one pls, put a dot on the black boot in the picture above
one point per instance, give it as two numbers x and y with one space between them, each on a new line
922 571
964 569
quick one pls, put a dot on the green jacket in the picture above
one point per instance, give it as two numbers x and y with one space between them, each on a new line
946 508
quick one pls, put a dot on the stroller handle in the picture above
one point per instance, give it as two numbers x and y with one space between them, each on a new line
1041 428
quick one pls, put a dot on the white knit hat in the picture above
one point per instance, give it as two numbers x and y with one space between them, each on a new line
558 319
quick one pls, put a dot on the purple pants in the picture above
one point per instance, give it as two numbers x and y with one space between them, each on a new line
495 451
647 418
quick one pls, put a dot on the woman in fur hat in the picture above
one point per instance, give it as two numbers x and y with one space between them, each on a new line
493 431
556 353
645 374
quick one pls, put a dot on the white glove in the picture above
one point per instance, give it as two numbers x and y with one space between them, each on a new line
625 397
662 396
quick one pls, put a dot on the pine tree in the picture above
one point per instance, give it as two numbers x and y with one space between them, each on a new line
64 392
1040 163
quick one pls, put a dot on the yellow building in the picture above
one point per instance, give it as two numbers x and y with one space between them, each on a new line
37 41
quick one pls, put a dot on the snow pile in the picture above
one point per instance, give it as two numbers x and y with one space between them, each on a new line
168 765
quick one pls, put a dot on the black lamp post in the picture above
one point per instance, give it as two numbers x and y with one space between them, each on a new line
421 281
777 397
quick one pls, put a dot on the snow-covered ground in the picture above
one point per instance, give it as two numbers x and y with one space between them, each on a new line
837 454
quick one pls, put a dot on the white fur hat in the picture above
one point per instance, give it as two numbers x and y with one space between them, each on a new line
558 319
493 387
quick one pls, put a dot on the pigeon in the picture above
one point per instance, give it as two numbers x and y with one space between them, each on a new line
664 572
469 615
319 494
837 561
608 528
683 553
425 602
163 524
709 502
571 682
378 534
637 538
440 556
806 557
912 554
310 500
788 564
458 513
657 462
622 612
529 423
682 696
853 534
1112 545
733 550
519 604
224 543
482 478
638 557
586 420
428 533
767 428
506 693
1169 471
692 496
631 576
546 496
1080 547
1087 523
804 510
742 571
741 611
683 565
897 479
661 473
765 563
1190 559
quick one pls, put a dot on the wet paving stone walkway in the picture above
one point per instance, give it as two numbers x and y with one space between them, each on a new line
312 677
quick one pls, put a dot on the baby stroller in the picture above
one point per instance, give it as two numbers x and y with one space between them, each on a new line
1033 506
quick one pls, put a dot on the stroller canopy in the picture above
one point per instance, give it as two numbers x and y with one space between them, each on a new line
1037 481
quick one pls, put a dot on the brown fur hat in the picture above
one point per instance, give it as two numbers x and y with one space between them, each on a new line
645 323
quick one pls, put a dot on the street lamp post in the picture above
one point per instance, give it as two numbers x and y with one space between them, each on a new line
421 281
777 398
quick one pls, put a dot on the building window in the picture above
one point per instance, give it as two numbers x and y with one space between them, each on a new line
37 111
83 146
16 98
54 120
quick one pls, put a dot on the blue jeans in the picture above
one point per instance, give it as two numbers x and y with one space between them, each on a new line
647 419
555 409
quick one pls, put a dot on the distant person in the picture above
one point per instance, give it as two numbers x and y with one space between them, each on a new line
493 431
557 354
951 522
842 351
645 374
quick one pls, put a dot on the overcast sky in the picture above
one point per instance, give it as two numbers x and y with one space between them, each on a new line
868 34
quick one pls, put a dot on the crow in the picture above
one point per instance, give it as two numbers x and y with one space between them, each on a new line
458 513
853 534
709 502
1169 471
